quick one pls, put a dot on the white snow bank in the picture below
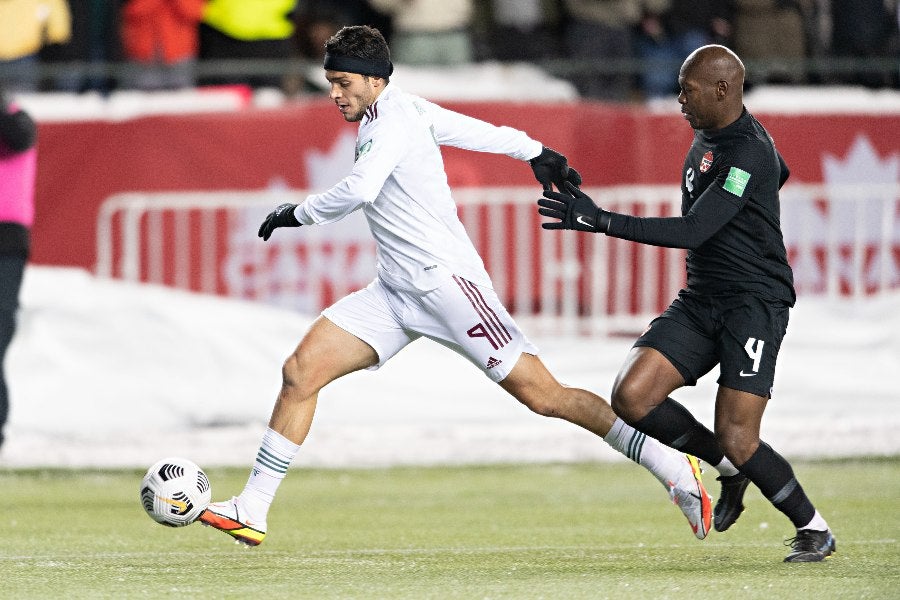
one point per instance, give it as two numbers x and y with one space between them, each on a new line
111 374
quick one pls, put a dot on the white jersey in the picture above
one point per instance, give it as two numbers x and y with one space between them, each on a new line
399 181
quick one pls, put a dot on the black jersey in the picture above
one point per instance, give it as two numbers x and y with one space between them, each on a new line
730 220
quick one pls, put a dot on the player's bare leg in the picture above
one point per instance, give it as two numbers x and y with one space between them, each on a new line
735 446
326 353
533 385
737 421
641 397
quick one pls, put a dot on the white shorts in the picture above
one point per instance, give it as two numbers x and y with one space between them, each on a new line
463 316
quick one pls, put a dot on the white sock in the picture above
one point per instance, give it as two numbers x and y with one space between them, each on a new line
666 465
272 461
725 468
818 523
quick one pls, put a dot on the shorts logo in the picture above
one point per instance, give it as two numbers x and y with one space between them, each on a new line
493 362
706 162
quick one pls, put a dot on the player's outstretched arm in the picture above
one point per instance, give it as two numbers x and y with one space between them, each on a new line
282 216
574 210
551 167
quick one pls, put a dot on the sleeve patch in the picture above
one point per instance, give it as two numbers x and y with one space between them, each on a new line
362 150
736 181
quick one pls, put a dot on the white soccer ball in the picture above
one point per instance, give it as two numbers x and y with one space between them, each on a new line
175 491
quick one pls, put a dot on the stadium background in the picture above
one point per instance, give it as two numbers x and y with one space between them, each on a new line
106 373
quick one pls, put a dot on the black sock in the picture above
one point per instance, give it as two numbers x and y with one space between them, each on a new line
674 425
773 475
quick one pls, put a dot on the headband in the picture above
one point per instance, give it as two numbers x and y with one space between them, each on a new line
362 66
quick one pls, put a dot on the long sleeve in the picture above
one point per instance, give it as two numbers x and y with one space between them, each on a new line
380 153
461 131
710 213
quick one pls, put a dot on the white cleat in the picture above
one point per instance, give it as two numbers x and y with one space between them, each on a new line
690 496
226 516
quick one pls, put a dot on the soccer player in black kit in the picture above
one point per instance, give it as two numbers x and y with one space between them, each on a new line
733 311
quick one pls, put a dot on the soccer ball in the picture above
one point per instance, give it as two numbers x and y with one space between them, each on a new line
175 491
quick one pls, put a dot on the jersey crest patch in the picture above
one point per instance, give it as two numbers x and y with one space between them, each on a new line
736 182
361 150
706 162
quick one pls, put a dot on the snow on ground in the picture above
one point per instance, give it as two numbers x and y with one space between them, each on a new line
104 373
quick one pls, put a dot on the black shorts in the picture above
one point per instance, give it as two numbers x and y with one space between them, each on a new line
742 334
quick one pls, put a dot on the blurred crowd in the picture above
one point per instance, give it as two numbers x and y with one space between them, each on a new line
617 50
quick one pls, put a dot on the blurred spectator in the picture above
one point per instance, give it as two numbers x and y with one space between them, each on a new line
773 31
602 32
345 12
94 41
429 32
864 29
240 29
17 171
318 20
315 22
25 27
668 34
161 40
314 31
522 30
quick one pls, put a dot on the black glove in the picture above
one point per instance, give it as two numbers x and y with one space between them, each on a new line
552 167
282 216
574 209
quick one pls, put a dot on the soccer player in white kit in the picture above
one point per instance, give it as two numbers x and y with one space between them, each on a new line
430 283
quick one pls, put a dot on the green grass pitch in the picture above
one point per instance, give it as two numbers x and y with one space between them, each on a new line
512 532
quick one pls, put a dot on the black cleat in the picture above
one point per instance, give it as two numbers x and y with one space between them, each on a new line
810 545
730 504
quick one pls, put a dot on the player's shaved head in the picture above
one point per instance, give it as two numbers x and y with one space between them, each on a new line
712 83
715 63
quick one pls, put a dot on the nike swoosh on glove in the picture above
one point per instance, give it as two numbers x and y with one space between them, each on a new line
574 210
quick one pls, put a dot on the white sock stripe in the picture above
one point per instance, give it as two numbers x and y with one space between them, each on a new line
635 445
269 460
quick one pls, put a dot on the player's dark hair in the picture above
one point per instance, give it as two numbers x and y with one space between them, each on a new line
361 42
